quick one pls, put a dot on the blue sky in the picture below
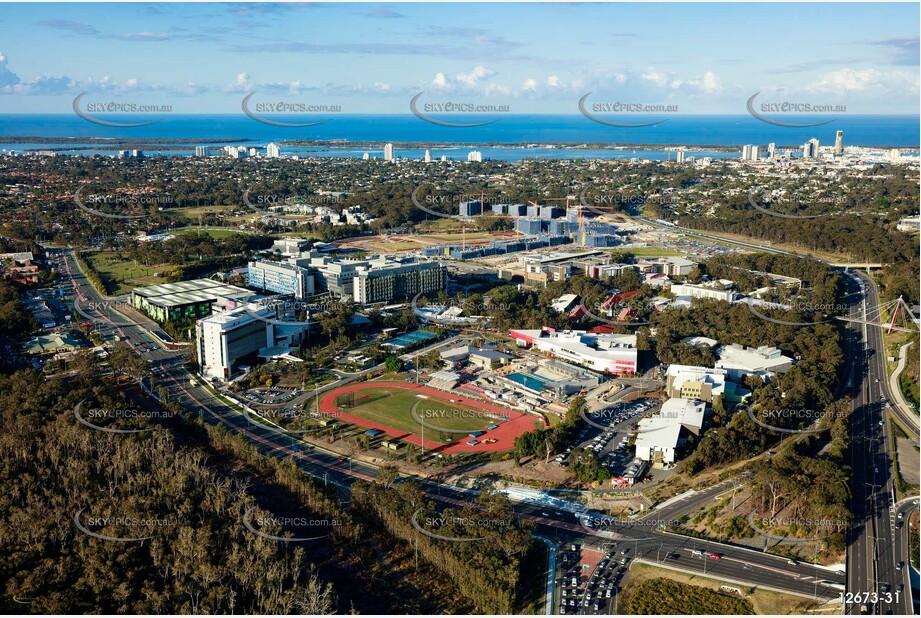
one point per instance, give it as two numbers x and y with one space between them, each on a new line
534 58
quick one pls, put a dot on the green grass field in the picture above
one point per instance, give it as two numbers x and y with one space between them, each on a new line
120 275
393 407
212 233
193 212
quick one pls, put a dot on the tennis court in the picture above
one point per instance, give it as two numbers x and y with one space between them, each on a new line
409 339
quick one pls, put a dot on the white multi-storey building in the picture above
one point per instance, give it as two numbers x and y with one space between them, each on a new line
608 353
717 290
230 340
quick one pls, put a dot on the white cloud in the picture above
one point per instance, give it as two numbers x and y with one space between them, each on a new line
867 81
656 76
708 83
470 79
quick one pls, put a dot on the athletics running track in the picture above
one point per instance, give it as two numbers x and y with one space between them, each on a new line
504 435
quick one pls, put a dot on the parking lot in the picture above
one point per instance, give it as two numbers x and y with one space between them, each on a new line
611 444
587 585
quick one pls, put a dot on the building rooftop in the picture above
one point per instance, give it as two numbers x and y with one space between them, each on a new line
188 292
657 433
763 358
699 341
683 412
47 344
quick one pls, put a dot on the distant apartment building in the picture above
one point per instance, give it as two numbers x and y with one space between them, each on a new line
839 143
811 149
750 152
388 152
428 156
680 156
475 156
528 225
201 151
272 151
517 210
470 208
608 353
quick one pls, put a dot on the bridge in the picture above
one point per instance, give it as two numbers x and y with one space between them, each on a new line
893 315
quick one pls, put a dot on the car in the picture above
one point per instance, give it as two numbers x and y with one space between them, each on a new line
792 562
624 551
696 552
901 514
875 469
624 560
899 588
714 556
885 588
607 594
585 603
898 525
595 607
840 572
899 565
545 513
881 423
572 602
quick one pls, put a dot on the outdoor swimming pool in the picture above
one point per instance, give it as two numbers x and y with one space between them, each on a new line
528 381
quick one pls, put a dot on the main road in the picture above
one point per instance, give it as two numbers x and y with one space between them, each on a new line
873 547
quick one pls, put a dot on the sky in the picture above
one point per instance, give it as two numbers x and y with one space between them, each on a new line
530 57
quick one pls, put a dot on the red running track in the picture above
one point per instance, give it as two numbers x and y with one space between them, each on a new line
504 435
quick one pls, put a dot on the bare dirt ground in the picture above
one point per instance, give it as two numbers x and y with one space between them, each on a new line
549 473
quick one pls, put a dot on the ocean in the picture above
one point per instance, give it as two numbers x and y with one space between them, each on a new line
511 137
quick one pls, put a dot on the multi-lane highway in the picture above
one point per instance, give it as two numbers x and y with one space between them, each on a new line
873 549
644 539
